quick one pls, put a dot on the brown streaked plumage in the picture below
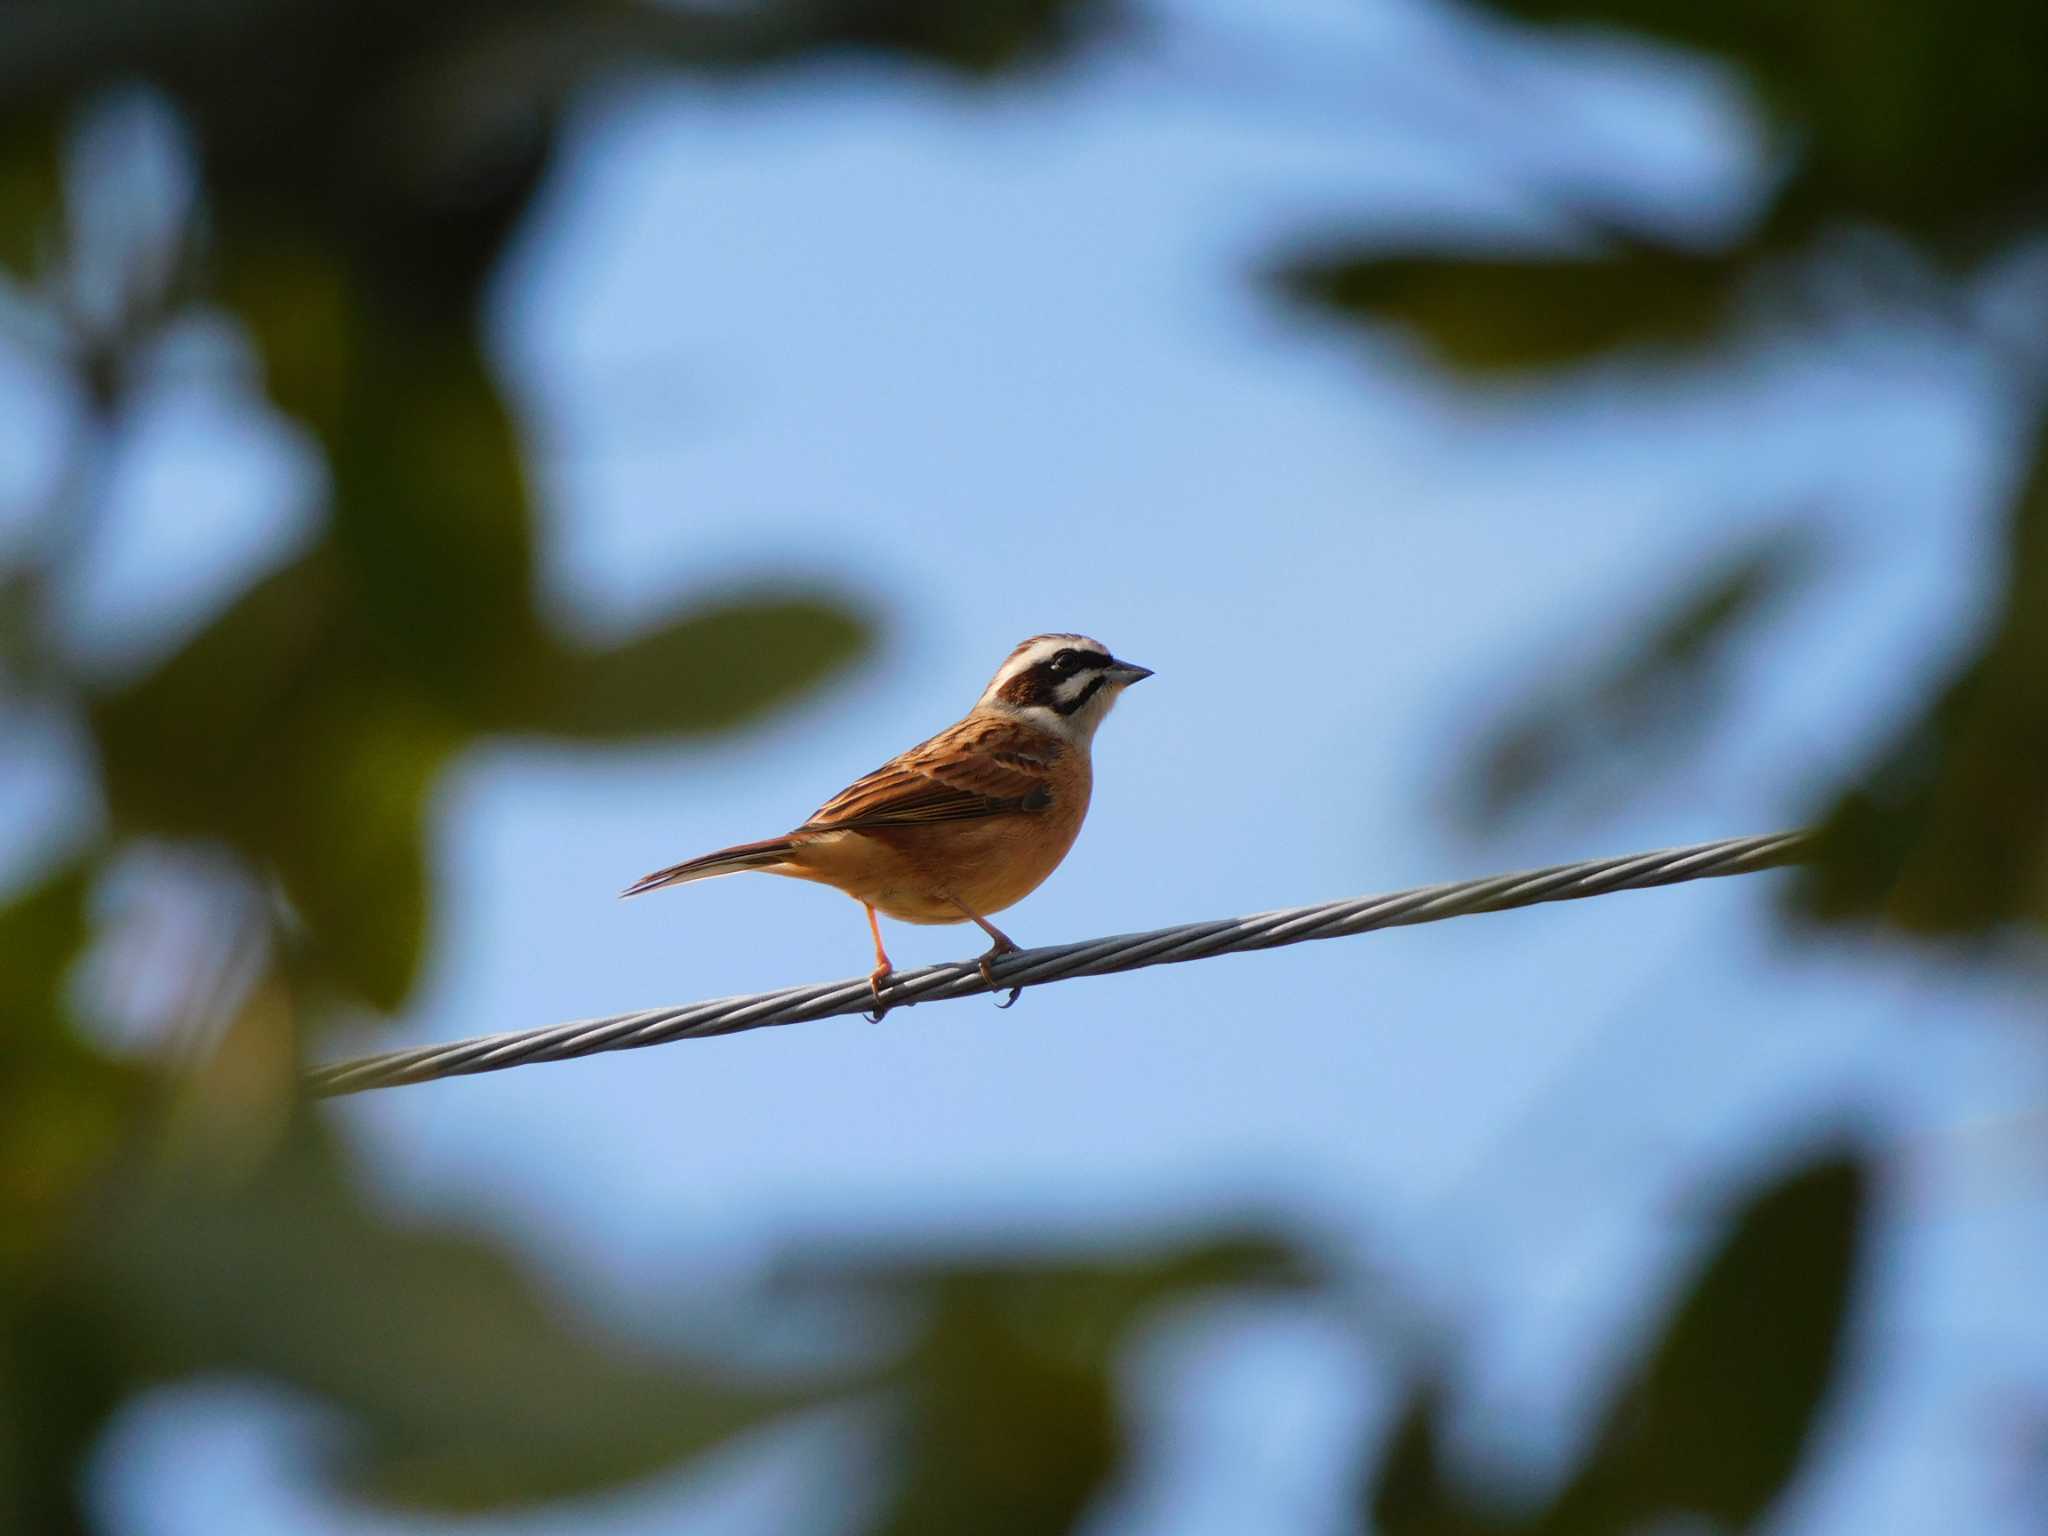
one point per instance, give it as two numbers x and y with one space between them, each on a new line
966 823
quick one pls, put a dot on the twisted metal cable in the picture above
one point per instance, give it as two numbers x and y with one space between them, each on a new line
1061 962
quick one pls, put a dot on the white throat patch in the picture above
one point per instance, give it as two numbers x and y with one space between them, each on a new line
1078 727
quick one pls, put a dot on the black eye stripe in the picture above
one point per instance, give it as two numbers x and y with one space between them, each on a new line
1040 683
1068 706
1066 663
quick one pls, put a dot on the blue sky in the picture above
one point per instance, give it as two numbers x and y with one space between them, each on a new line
990 364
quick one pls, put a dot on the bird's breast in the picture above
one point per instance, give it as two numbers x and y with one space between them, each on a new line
916 873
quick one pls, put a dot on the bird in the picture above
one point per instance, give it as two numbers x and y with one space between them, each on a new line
964 824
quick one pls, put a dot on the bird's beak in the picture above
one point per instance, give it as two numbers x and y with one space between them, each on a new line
1123 674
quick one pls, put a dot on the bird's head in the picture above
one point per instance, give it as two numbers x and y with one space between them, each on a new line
1061 683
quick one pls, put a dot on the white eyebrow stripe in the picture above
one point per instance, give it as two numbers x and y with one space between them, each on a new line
1031 655
1037 649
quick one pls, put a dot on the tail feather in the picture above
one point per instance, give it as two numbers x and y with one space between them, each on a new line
726 861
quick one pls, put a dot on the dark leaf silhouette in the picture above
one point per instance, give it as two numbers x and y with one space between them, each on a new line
1009 1421
1909 166
62 1104
28 189
358 175
1928 121
63 1109
1605 729
1723 1409
461 1387
1729 1399
706 671
978 39
1410 1495
279 731
1507 314
1948 831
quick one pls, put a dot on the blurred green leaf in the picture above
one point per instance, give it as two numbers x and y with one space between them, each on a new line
283 731
1927 117
462 1388
1509 313
201 42
1005 1431
43 927
432 524
431 531
353 859
278 731
62 1105
1724 1407
712 669
1947 832
295 297
1731 1394
1601 732
62 1376
63 1116
982 39
360 172
193 747
30 184
1011 1423
1753 32
1410 1496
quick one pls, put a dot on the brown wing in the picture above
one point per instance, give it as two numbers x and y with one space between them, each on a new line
976 768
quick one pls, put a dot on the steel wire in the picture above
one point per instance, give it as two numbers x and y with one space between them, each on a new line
1060 962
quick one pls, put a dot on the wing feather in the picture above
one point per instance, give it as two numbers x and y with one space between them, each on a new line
974 769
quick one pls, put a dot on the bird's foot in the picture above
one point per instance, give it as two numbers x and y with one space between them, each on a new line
1000 947
876 977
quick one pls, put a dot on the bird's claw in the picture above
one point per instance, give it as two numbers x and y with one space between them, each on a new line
881 1009
989 976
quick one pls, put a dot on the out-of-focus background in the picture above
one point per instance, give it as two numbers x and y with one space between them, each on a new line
456 458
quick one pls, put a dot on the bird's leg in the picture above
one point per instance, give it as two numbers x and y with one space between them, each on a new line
882 968
1003 945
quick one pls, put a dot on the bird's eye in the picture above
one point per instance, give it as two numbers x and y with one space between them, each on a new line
1064 662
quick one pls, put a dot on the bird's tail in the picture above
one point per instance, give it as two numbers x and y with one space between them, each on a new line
727 861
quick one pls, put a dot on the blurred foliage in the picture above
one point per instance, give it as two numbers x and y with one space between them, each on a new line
1950 830
1505 315
460 1386
1655 695
1909 176
356 173
1726 1400
1924 118
1914 144
1009 1421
